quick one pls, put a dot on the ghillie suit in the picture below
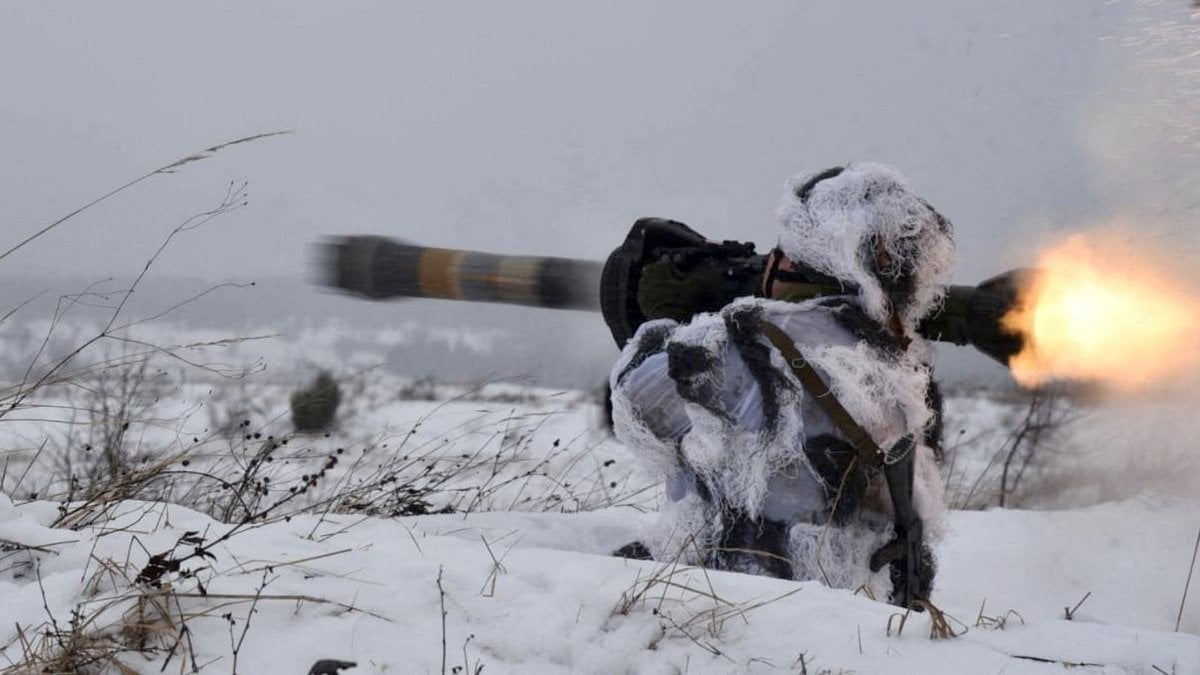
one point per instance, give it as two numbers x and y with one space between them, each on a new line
759 477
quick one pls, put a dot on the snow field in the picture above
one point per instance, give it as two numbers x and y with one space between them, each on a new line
540 498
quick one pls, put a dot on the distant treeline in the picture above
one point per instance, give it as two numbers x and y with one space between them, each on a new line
449 341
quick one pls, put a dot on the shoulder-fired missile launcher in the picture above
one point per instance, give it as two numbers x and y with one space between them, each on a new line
662 269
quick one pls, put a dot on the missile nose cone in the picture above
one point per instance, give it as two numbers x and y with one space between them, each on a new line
361 265
322 268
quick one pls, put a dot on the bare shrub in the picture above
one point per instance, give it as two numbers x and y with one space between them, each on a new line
1038 424
1050 410
96 450
315 407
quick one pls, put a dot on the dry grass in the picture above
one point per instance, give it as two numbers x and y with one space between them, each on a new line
997 622
941 624
116 622
133 612
687 605
98 395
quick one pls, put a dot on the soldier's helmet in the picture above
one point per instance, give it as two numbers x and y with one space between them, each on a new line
863 225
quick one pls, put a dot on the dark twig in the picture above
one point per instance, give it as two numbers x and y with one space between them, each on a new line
237 647
442 600
1188 584
1065 664
1070 611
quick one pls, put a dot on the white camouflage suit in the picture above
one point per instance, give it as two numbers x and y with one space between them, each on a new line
750 461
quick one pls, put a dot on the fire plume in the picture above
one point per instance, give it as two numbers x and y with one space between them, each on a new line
1101 313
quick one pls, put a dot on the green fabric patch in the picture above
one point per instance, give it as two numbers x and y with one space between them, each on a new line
665 292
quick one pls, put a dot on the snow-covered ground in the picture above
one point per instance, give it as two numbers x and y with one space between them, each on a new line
528 593
350 559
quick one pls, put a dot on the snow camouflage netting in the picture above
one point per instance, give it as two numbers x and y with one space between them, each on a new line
715 410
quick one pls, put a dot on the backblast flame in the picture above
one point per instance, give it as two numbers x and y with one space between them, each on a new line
1097 313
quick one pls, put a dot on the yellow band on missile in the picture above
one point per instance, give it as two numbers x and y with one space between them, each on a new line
438 273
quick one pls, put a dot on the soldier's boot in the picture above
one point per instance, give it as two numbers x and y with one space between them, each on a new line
634 550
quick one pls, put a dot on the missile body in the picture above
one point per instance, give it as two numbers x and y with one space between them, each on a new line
380 268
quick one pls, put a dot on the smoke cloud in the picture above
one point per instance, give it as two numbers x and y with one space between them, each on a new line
1141 134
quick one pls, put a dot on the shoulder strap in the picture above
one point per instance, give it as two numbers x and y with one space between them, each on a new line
867 449
912 587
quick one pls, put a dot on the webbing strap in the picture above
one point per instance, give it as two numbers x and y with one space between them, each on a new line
868 451
906 546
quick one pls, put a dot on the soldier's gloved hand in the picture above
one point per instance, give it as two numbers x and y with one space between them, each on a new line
915 583
912 568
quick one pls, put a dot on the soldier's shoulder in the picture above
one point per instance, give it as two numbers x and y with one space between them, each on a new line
830 319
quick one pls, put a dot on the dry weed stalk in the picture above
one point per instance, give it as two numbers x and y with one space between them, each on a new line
999 622
1187 584
113 330
489 585
1069 612
940 623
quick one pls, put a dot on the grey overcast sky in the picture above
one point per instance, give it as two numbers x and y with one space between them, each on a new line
547 127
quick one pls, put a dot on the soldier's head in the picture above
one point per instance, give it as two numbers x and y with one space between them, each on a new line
862 225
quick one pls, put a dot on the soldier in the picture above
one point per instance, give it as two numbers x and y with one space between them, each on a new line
792 436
